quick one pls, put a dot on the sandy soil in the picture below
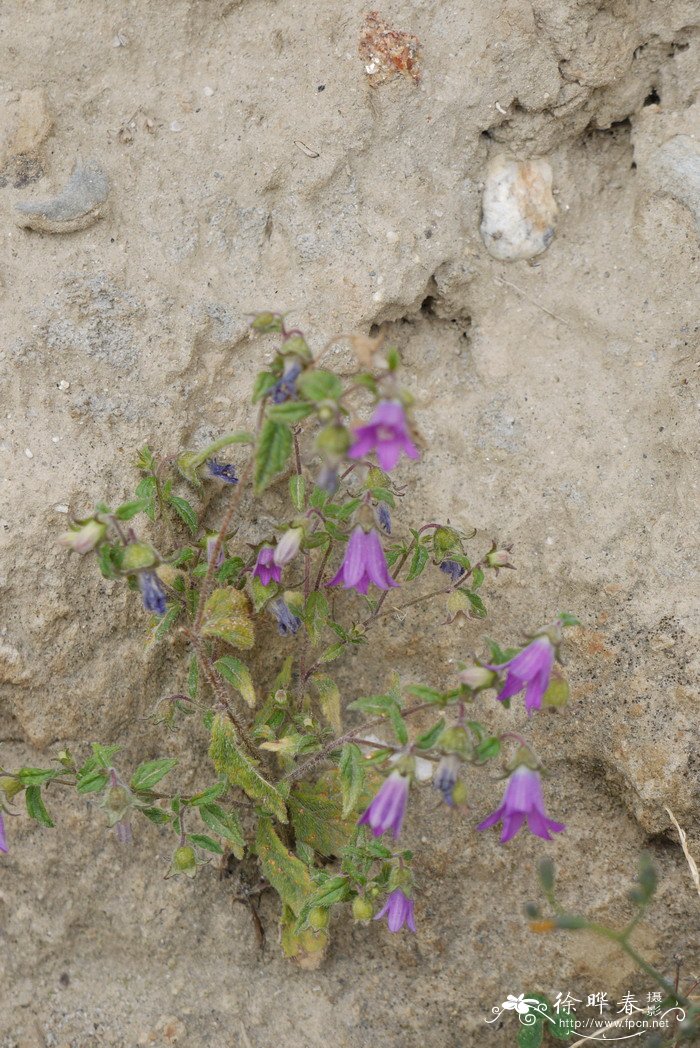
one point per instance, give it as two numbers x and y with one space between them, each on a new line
558 401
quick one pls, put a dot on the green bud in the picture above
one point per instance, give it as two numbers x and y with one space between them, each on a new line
455 740
478 677
523 756
362 909
266 322
333 442
117 800
85 537
499 558
137 556
446 540
185 860
319 918
459 792
298 347
10 786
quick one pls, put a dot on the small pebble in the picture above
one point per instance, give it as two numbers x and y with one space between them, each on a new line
28 453
176 126
61 509
63 385
518 209
208 91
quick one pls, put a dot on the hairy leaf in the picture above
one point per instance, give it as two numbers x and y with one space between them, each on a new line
226 615
237 674
228 759
274 448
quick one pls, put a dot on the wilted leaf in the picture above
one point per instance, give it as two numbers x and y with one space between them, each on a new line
286 873
237 674
329 699
226 615
228 760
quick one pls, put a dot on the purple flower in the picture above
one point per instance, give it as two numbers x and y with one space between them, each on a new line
387 434
287 622
446 776
152 592
288 546
122 829
265 568
223 471
3 838
529 669
364 562
453 569
523 800
399 910
286 387
388 807
384 517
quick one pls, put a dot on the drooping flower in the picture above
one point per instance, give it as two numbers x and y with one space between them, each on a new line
478 677
453 569
384 517
287 622
3 838
223 471
386 433
152 592
399 911
447 775
211 546
523 800
286 387
265 568
123 832
364 562
530 669
387 809
288 546
327 479
84 537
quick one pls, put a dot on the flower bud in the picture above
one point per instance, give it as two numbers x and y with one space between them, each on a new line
362 909
267 322
446 540
319 918
185 860
455 740
137 556
288 546
84 538
459 792
297 346
117 801
333 442
478 677
499 558
10 786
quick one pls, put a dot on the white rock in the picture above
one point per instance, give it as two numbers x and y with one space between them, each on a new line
518 209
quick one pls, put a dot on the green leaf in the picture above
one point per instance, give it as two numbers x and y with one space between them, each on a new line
274 448
146 491
319 385
285 872
185 512
36 776
316 612
156 815
335 889
375 704
35 806
212 793
237 674
145 460
150 772
329 699
333 652
297 491
226 824
427 740
226 615
92 781
352 777
383 495
240 770
567 619
230 570
189 462
476 602
291 412
488 749
317 815
418 561
127 510
392 358
203 841
264 381
167 621
425 694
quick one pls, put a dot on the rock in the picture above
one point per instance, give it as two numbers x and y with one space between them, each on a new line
29 123
518 209
79 204
667 154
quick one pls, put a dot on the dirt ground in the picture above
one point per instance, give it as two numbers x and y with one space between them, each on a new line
251 164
